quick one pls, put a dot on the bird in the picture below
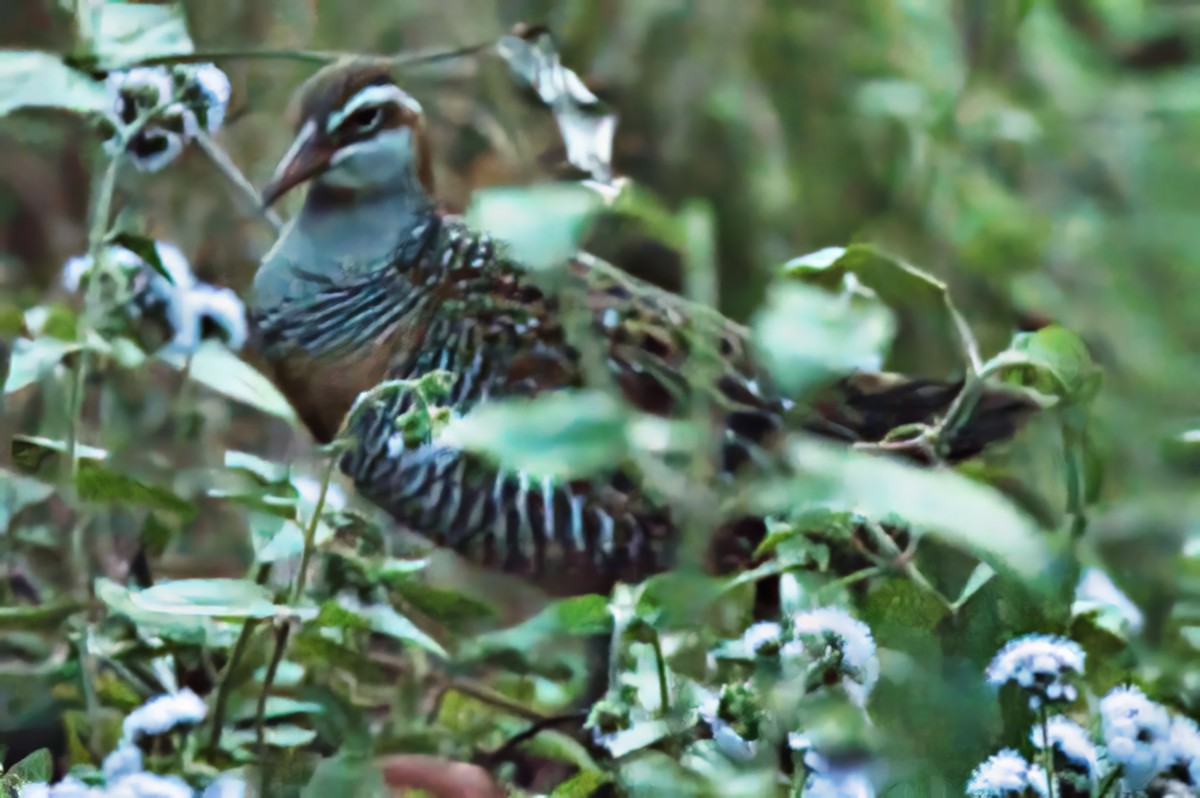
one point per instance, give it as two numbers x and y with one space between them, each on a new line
372 280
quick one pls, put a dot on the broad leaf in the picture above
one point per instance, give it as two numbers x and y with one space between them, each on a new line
152 625
125 33
214 366
96 481
274 538
942 503
17 493
581 616
807 336
1052 360
383 619
37 767
33 358
541 226
30 79
209 598
562 435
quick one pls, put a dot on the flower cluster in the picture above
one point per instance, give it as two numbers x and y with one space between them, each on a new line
189 307
842 647
181 102
827 777
1040 665
122 770
1141 739
1008 775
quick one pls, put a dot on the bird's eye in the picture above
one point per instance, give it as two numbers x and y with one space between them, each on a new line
364 119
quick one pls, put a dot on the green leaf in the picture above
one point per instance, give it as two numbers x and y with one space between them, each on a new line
941 503
40 616
33 79
34 358
277 707
188 630
1052 360
450 608
807 336
580 616
208 598
18 492
274 538
383 619
215 367
277 736
920 301
265 471
979 577
541 226
96 481
566 434
129 32
35 768
582 785
144 247
345 774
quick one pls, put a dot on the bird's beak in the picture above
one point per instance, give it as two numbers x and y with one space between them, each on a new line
307 158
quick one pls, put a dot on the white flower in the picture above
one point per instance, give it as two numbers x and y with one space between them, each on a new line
833 634
213 89
126 758
149 785
761 634
1096 591
78 267
219 306
69 787
826 780
1136 733
227 785
135 91
163 713
1006 775
1074 752
1038 664
1184 751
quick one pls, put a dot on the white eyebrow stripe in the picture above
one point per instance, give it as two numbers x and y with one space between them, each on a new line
307 131
373 95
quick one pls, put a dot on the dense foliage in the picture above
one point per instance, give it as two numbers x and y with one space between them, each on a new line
193 601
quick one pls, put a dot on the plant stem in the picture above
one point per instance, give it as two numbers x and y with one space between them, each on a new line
236 178
1048 753
664 688
281 640
235 658
310 533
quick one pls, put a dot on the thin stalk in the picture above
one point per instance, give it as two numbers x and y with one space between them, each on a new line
1048 753
310 533
664 688
235 657
281 641
236 178
1110 781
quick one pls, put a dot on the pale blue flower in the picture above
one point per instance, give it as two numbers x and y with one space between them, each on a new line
162 713
1184 751
1136 734
126 758
1007 775
761 634
1040 665
832 634
149 785
828 780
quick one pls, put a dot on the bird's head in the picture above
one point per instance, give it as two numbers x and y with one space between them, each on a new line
357 134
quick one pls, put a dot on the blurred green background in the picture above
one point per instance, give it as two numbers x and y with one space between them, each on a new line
1041 157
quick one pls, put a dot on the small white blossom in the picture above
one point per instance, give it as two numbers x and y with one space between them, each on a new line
1007 775
219 306
1097 591
1038 664
1136 733
761 634
163 713
1184 751
126 758
213 88
227 785
1071 743
832 633
149 785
